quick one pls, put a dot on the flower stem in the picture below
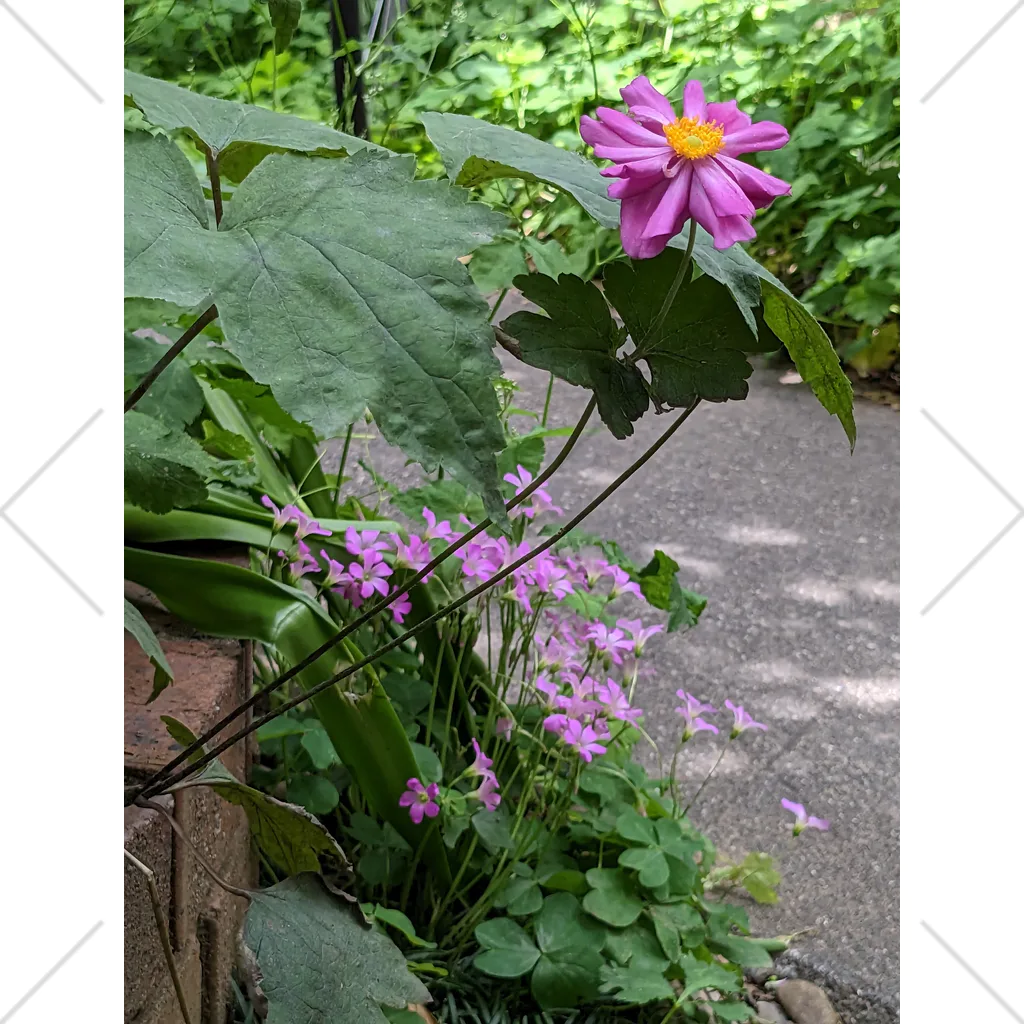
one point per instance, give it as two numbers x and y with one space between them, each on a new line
160 780
700 788
547 400
497 304
341 467
670 296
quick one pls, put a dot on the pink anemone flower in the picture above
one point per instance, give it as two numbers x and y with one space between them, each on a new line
672 169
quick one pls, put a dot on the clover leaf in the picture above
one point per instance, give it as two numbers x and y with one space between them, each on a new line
564 958
661 855
612 898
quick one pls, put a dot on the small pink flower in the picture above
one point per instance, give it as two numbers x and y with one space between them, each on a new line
640 633
437 530
305 563
556 723
481 763
503 727
550 690
616 703
690 709
420 800
583 740
742 720
335 571
609 641
358 542
621 583
307 527
400 607
281 515
414 555
671 169
803 820
487 792
477 562
368 576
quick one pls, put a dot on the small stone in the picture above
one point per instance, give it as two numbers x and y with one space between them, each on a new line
759 975
770 1013
806 1003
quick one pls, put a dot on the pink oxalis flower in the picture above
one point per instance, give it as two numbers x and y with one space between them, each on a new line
421 800
481 762
742 720
582 739
503 727
671 169
690 709
803 819
487 792
400 607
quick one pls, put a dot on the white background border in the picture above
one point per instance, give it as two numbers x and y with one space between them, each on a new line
60 759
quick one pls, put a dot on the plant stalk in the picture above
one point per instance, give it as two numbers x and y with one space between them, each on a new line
676 284
191 332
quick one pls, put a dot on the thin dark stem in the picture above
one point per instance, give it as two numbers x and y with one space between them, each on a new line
161 927
497 304
676 284
154 784
420 626
183 836
213 170
341 465
707 778
205 318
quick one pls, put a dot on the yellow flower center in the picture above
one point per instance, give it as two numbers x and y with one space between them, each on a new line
694 139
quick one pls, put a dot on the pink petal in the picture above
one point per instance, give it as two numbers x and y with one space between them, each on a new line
416 813
635 213
646 103
629 130
597 134
755 138
652 165
760 188
693 100
431 810
726 197
406 799
724 230
728 115
794 808
622 152
667 220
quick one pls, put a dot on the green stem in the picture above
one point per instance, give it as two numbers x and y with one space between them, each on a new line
341 469
547 400
676 284
700 788
497 304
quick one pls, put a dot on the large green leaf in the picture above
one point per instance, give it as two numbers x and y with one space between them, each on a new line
577 341
635 984
289 835
139 628
813 354
241 134
175 397
508 952
475 152
337 283
227 600
163 467
698 349
319 963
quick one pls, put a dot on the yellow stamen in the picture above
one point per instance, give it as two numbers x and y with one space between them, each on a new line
694 139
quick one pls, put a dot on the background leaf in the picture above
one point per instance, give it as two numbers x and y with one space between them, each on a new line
139 628
319 963
162 467
577 342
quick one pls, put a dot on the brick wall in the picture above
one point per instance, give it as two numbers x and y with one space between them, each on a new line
211 677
